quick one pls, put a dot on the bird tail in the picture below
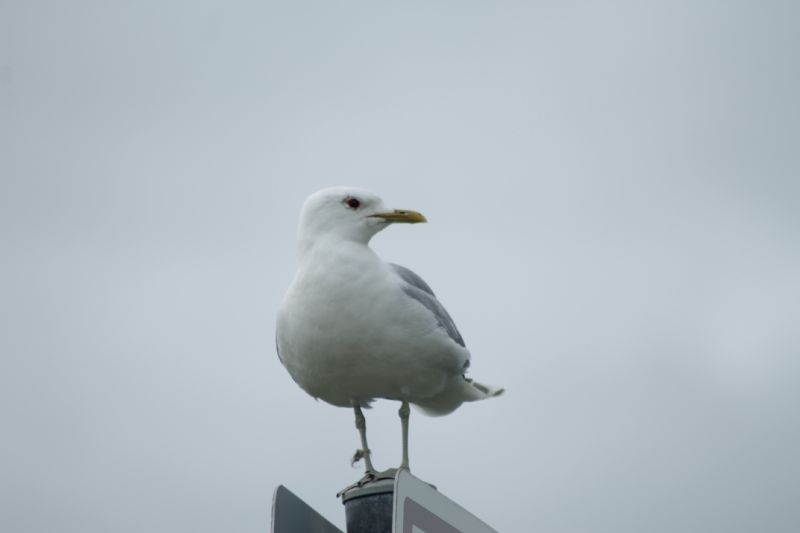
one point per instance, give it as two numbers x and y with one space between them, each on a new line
462 390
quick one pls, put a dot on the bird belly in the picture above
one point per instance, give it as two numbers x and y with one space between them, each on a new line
345 348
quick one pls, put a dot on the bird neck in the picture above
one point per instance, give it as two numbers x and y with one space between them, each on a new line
330 246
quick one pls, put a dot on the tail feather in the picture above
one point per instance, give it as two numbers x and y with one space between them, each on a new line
485 390
461 390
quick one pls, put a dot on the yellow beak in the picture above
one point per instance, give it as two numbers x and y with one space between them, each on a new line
402 215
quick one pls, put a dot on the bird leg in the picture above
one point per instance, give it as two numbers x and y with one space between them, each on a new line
363 453
404 413
371 475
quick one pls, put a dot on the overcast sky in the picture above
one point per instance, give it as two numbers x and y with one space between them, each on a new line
612 190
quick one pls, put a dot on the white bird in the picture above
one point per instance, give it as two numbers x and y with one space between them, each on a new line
353 328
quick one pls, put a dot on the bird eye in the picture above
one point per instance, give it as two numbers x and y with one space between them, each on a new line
352 203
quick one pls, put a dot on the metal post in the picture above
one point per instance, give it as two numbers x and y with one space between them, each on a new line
368 509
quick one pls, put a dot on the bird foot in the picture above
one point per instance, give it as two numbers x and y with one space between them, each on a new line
358 455
368 477
371 476
389 473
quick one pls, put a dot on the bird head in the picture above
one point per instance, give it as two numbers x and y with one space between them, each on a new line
349 213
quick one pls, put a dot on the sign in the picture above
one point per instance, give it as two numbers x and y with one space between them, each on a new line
419 508
290 514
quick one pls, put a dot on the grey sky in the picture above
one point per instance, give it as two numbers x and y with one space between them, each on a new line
612 191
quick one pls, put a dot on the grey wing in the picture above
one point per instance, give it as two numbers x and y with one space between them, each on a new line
416 288
410 277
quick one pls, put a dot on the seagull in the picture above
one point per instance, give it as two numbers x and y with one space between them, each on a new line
353 328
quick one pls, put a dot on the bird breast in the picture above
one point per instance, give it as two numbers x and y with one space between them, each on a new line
347 332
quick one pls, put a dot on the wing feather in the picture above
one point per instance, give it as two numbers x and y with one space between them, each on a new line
416 288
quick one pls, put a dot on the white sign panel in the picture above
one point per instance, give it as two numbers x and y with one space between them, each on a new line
419 508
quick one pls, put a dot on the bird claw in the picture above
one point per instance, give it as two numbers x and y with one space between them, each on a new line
358 455
370 476
389 473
